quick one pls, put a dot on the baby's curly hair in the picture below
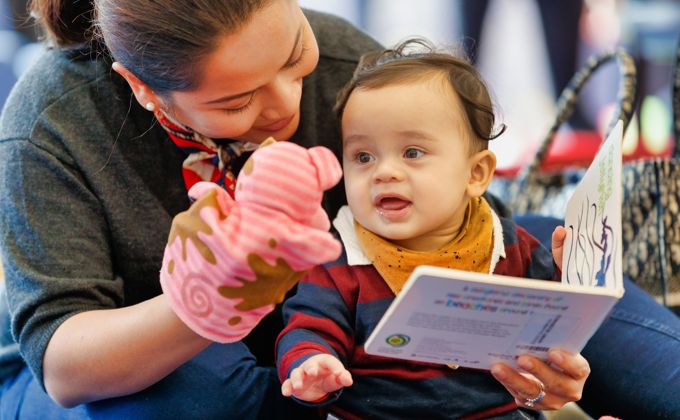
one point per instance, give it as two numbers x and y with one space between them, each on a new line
418 58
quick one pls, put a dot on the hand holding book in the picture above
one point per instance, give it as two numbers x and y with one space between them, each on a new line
541 385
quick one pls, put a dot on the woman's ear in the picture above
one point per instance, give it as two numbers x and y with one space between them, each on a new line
144 95
482 168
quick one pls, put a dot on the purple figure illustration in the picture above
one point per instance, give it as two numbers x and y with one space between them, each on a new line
603 245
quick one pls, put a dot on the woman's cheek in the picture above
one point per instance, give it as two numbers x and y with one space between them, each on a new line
228 125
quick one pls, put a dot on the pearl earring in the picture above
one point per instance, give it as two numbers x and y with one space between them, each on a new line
150 106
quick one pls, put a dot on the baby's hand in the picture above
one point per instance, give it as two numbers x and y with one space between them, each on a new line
316 377
558 237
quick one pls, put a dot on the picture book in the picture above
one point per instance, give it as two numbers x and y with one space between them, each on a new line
470 319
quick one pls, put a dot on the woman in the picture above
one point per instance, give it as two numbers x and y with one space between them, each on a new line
107 180
91 179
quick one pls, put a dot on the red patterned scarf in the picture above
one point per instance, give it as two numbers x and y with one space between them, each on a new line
206 160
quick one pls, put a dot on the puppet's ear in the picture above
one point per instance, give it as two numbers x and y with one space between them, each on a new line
248 166
328 168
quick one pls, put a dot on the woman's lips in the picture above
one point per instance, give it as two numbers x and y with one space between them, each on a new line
393 208
275 126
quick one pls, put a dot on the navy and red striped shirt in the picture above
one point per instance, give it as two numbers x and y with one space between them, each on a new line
338 305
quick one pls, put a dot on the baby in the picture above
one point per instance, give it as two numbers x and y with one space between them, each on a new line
415 130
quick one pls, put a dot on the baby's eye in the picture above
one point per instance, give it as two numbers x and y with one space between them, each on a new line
413 153
363 157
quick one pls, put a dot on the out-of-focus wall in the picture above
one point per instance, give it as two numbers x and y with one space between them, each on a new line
512 54
513 58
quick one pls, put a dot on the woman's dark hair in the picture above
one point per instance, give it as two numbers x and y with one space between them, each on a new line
66 24
159 41
415 59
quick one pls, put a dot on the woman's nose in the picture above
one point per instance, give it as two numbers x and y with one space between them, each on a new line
283 98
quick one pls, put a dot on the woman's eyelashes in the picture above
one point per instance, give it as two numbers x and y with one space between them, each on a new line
240 108
299 58
247 105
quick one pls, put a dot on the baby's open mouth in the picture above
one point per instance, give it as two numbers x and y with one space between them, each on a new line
392 203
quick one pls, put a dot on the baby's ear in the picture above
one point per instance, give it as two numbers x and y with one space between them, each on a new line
328 168
482 168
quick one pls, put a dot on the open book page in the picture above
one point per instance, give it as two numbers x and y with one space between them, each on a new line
473 320
593 248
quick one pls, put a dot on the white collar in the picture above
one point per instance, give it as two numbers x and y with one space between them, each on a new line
344 224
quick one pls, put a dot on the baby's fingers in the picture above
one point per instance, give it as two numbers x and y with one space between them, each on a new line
344 378
336 376
287 388
330 364
337 380
311 370
297 379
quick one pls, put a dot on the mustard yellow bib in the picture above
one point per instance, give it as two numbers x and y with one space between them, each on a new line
470 250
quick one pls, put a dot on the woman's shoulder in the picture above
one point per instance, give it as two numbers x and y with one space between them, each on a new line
55 81
338 39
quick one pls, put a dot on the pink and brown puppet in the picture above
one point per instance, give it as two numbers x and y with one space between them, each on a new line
229 262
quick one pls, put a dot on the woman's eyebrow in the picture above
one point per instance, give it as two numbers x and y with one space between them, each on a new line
250 92
229 98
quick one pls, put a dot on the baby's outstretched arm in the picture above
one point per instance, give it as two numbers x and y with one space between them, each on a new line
558 237
316 377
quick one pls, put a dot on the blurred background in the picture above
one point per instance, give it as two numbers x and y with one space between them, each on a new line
527 50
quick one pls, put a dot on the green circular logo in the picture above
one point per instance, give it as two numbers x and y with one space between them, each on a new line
398 340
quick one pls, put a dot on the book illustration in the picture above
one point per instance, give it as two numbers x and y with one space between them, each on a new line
592 249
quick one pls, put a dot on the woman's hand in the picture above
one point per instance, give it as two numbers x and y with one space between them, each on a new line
543 386
558 237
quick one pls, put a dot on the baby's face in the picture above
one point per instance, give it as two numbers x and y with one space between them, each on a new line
406 162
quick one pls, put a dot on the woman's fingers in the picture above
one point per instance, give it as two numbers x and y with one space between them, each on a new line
564 381
558 237
545 386
524 388
559 387
572 364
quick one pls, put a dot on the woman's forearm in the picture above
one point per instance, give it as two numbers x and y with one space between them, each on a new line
102 354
